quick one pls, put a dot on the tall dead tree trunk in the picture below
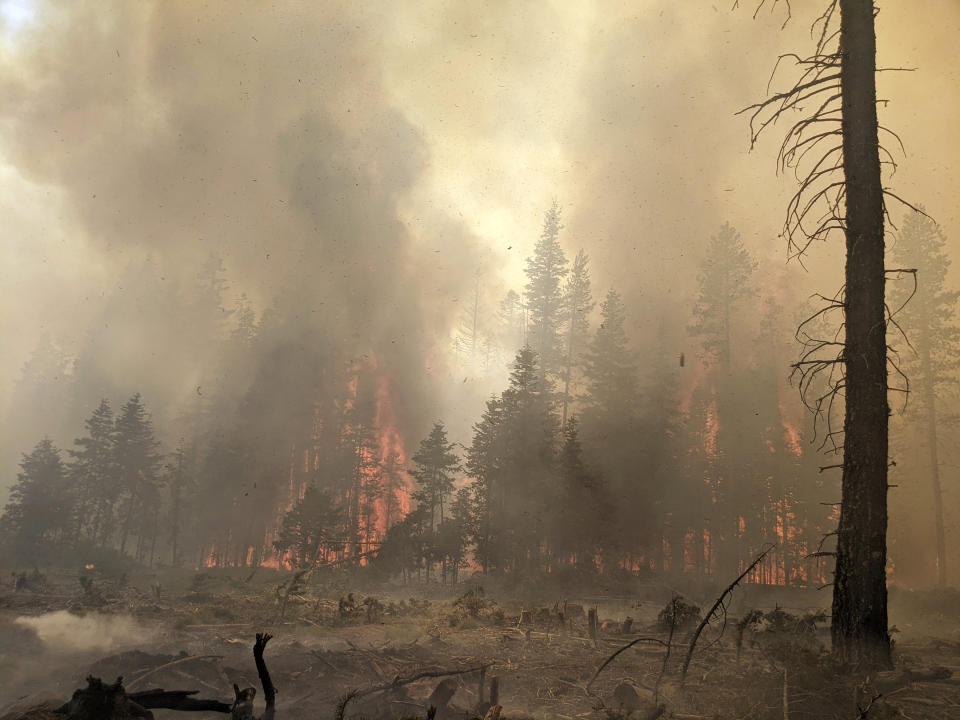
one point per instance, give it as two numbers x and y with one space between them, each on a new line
842 191
859 627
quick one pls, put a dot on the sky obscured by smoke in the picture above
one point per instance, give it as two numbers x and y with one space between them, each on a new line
364 160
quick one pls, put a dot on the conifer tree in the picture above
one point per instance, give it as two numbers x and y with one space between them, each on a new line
41 503
511 319
578 302
614 433
724 285
724 282
512 461
456 531
137 459
435 464
485 464
363 473
307 528
182 487
393 485
546 270
610 368
581 510
37 399
928 318
93 470
472 333
357 476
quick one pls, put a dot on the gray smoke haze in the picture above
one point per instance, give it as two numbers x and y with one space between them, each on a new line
64 631
353 164
167 133
663 160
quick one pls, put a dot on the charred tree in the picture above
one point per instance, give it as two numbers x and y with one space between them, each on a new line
859 627
837 158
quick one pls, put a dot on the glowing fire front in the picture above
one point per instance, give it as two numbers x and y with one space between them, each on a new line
372 487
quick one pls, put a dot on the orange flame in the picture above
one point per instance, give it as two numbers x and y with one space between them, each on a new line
791 437
392 452
711 431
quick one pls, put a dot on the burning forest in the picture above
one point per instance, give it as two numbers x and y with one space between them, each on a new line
463 360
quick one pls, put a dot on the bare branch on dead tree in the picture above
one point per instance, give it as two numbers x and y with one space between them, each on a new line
819 372
811 149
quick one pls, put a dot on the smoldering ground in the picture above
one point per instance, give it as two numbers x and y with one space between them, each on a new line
41 653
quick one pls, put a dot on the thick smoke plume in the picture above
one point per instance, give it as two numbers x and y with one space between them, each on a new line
176 136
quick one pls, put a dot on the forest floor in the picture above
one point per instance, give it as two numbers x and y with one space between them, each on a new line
184 631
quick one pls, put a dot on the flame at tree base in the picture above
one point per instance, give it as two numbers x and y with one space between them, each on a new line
375 489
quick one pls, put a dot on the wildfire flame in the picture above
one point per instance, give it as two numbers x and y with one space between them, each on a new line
392 450
711 431
791 437
389 454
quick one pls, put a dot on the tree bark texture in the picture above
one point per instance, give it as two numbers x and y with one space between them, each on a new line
859 627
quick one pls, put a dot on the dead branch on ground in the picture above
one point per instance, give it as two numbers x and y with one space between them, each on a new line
170 664
617 652
400 682
719 606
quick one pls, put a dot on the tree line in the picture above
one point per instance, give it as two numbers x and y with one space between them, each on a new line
590 460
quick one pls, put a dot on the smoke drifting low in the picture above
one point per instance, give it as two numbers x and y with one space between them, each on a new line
66 632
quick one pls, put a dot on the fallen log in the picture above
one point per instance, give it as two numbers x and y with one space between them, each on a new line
100 701
442 694
103 701
158 699
890 680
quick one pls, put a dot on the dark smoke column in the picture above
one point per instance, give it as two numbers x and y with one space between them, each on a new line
859 627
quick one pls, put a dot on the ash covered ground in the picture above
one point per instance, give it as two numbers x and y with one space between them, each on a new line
404 648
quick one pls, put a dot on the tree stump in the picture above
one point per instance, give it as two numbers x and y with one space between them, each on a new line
593 626
99 701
